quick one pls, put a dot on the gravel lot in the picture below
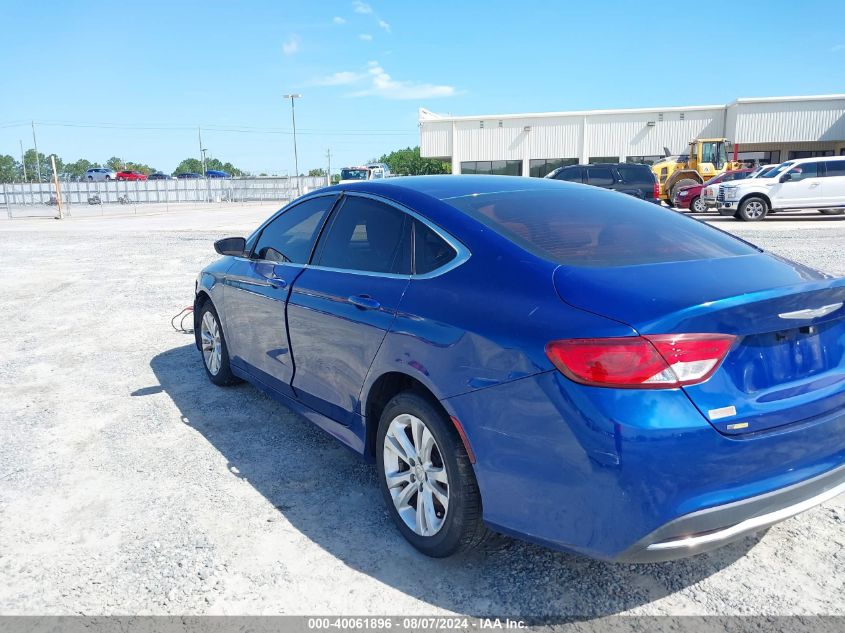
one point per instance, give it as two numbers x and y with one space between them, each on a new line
130 484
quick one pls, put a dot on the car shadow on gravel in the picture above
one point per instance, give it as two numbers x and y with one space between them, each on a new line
329 495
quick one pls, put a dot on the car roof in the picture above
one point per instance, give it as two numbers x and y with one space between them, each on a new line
813 159
444 187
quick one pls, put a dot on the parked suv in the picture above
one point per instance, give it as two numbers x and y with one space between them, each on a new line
807 183
98 174
632 178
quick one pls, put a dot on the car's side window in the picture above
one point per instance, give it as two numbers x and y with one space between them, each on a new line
834 168
291 236
600 176
430 250
803 171
367 235
569 174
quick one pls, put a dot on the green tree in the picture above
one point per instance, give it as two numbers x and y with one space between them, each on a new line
114 163
317 172
408 162
189 165
46 167
10 169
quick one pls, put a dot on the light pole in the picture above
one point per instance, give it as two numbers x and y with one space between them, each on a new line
295 157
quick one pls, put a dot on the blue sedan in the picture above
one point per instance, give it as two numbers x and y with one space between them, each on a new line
557 362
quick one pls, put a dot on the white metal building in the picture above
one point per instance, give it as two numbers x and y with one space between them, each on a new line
767 130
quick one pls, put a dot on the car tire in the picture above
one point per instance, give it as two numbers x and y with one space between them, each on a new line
215 352
423 478
832 211
753 209
697 205
108 177
683 182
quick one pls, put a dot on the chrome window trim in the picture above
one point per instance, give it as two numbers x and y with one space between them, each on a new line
462 253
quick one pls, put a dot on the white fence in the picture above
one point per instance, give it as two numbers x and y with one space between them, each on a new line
158 191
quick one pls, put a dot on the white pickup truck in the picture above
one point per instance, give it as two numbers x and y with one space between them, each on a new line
373 171
806 183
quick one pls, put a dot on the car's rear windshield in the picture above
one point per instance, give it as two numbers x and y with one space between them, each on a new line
582 226
636 174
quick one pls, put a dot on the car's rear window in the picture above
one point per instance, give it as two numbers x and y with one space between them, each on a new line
582 226
636 174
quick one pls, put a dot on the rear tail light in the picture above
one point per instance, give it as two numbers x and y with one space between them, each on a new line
656 190
661 361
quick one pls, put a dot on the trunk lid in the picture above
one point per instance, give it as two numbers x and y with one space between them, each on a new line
788 363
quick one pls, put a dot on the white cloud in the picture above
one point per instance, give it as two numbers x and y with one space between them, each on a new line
291 46
361 7
383 85
342 78
384 25
366 37
837 47
338 20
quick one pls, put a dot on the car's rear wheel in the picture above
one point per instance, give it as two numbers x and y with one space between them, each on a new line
698 205
832 211
215 354
426 478
752 209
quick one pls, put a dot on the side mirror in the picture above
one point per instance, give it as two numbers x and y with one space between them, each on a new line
234 246
785 177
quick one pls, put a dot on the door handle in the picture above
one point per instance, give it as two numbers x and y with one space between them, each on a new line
364 302
277 282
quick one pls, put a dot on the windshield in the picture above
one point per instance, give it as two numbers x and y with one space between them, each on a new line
776 171
354 174
577 226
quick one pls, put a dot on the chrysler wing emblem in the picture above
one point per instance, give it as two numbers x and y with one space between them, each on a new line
811 313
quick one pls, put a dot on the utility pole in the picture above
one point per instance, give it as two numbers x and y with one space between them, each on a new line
295 157
37 159
329 174
202 150
23 162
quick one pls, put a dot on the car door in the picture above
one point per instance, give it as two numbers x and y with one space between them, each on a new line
345 301
802 189
834 183
257 289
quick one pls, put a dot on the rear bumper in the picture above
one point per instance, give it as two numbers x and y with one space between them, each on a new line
714 527
625 475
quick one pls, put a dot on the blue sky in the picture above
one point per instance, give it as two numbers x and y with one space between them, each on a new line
147 76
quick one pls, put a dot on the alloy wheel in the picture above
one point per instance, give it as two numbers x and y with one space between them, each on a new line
754 209
212 346
698 206
416 475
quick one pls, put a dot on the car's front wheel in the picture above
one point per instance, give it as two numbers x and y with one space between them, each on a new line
698 205
752 209
215 354
426 478
832 211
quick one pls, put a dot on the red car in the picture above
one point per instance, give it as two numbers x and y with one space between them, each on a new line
690 197
128 174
